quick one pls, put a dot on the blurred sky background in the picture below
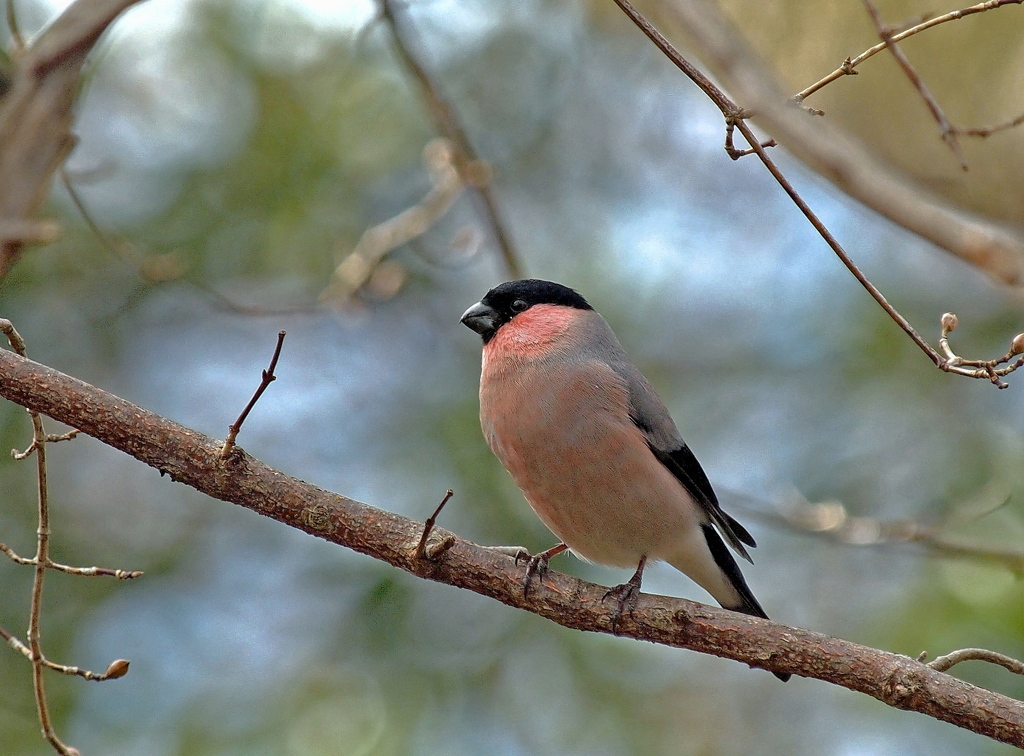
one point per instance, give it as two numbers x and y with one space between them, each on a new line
235 150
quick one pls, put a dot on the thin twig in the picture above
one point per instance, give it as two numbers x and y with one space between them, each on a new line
943 663
117 668
836 155
421 547
448 124
267 378
848 66
736 117
946 129
50 439
731 150
731 111
153 268
987 369
987 131
82 571
41 560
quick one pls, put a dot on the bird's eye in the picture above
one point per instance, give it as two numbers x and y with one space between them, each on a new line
519 305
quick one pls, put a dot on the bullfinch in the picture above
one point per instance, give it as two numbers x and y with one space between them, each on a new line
593 448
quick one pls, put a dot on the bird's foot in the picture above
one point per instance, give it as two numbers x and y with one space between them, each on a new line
536 567
626 596
536 564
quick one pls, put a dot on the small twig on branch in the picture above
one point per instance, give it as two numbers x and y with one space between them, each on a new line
266 379
448 124
943 663
42 558
987 131
946 129
50 439
117 668
987 369
848 66
83 571
730 149
41 561
421 547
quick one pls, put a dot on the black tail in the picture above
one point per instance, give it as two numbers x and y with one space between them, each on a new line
748 604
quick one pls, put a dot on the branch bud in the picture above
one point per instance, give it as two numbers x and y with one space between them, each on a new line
1017 345
949 323
117 668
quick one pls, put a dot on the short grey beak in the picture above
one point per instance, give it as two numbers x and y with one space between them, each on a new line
480 318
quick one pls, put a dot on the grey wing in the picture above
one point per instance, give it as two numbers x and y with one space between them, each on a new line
651 416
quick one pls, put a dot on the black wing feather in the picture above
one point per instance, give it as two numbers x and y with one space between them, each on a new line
682 464
668 447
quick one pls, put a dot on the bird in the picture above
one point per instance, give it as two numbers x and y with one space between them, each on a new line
593 448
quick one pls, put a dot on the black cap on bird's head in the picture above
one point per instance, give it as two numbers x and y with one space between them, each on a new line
505 301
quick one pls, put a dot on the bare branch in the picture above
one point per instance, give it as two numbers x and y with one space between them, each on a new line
987 369
833 521
838 157
376 242
848 66
944 663
83 571
35 114
987 131
946 129
42 562
117 668
448 124
266 379
191 458
735 116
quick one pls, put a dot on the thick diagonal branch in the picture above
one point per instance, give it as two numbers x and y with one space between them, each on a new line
194 459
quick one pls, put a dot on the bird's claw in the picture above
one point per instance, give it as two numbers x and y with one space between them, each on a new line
626 598
536 567
536 564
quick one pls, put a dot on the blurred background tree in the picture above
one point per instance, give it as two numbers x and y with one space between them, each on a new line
233 154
